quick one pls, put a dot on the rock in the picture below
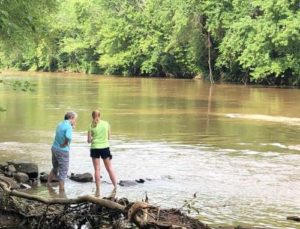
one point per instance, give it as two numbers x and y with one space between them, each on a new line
84 177
44 177
140 180
11 168
21 177
2 167
294 218
127 183
8 174
33 182
30 168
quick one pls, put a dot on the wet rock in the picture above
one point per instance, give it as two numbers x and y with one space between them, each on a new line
44 177
294 218
21 177
8 174
140 181
127 183
11 168
2 167
33 182
30 168
84 177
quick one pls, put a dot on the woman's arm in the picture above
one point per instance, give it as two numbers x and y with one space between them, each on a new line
89 137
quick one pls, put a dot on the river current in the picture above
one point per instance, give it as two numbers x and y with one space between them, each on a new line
231 151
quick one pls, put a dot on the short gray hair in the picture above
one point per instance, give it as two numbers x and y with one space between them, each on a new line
70 115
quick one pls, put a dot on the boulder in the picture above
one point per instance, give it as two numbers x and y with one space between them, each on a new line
11 168
21 177
31 169
44 177
8 174
84 177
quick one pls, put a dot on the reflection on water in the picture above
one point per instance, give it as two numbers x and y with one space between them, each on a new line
236 147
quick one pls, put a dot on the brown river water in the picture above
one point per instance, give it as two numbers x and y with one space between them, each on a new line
237 147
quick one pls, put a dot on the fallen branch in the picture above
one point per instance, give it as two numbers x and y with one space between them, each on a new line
87 198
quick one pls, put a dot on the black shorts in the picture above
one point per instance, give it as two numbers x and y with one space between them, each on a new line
104 153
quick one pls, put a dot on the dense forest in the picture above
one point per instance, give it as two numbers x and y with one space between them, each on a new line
232 40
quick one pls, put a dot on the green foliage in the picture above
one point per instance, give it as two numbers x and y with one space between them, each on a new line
260 37
21 21
249 41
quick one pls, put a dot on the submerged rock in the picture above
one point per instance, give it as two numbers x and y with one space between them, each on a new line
84 177
128 183
294 218
140 180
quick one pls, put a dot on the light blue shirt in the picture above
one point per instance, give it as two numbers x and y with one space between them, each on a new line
63 132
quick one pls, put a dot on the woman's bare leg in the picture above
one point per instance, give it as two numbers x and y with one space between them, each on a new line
96 163
109 169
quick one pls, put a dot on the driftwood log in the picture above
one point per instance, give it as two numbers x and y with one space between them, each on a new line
19 209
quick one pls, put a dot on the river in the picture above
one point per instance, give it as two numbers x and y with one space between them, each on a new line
235 147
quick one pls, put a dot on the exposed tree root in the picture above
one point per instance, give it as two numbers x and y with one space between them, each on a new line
18 209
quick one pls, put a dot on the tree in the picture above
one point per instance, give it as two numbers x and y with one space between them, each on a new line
21 26
258 38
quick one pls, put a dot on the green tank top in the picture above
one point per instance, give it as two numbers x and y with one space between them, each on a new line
99 135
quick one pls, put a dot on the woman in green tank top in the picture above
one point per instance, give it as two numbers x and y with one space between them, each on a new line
98 136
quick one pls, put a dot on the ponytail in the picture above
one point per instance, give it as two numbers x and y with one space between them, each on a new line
96 118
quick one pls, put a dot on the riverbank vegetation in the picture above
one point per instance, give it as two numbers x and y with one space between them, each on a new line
233 40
